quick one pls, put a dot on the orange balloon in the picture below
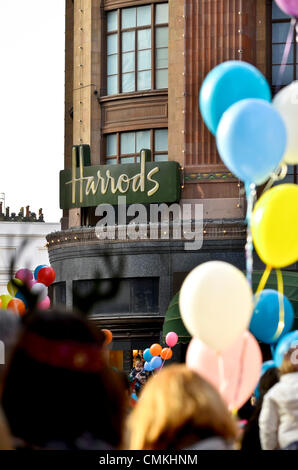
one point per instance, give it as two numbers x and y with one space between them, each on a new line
108 335
166 353
155 349
17 306
0 303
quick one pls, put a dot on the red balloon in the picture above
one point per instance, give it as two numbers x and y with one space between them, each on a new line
46 276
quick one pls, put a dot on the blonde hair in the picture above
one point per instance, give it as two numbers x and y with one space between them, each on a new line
290 361
176 409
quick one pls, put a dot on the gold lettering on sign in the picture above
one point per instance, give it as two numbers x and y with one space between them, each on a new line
104 182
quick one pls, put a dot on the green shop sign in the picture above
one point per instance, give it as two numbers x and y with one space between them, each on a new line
146 182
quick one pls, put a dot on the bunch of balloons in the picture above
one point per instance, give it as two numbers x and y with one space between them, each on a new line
216 304
37 283
156 355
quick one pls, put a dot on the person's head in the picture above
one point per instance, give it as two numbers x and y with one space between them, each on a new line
139 364
290 361
58 386
176 409
268 379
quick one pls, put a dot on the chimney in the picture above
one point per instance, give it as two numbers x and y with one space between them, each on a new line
7 211
27 211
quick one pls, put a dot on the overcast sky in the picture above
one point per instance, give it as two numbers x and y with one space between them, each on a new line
32 104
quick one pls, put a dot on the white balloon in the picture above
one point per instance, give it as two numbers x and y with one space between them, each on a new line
216 303
40 290
286 102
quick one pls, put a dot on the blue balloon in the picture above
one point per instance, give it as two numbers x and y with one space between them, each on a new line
156 362
21 296
251 139
134 396
265 318
227 84
265 366
283 346
147 366
147 355
37 269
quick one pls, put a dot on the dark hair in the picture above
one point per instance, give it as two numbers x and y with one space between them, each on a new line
45 403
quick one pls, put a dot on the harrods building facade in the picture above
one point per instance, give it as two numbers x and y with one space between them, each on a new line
132 79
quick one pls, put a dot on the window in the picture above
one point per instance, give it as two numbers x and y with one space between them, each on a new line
280 29
137 49
125 147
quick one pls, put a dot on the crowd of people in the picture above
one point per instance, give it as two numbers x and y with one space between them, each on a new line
58 392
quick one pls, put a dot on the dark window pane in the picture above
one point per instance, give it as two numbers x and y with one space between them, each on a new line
144 295
57 293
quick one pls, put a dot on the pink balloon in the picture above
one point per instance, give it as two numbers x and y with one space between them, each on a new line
31 283
44 304
234 373
24 275
172 339
290 7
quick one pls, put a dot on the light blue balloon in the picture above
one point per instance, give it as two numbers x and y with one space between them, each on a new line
283 346
147 356
156 362
227 84
265 366
134 396
147 366
37 269
251 139
265 317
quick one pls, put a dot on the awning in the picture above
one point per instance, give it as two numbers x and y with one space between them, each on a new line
173 321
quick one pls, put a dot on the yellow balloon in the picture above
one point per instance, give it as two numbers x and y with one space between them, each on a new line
274 226
5 300
12 288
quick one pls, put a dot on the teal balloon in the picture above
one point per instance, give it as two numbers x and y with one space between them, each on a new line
265 317
21 296
286 342
227 84
147 356
265 366
251 139
156 362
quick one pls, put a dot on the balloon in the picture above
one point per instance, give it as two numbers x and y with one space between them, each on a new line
134 397
251 139
44 304
31 283
283 346
17 306
108 335
147 356
40 290
12 287
166 354
286 102
46 276
24 275
147 366
5 300
274 226
171 339
216 303
227 84
265 366
0 302
38 268
290 7
155 349
244 355
265 319
155 362
21 296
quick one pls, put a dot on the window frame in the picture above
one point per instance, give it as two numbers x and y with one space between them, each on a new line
152 27
134 155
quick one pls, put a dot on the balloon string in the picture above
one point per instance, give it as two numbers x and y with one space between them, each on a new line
285 54
221 372
250 196
280 288
264 279
278 175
